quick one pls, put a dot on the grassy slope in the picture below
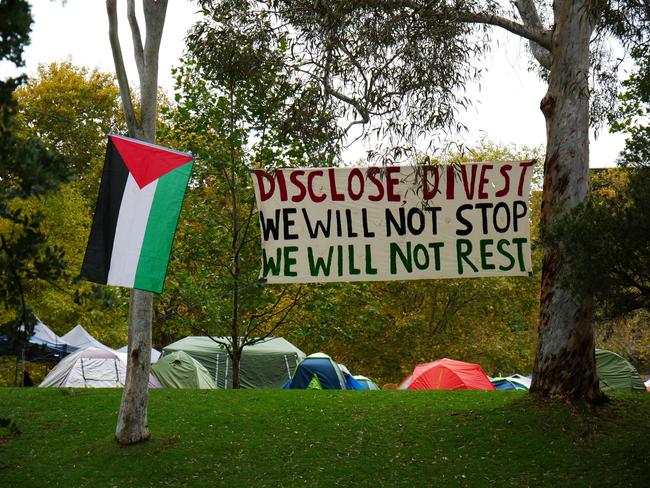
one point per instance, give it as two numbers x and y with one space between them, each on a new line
319 438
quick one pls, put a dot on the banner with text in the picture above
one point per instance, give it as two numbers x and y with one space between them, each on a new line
394 223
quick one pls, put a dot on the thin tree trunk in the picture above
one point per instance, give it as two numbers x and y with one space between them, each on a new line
235 264
236 371
132 424
132 421
565 362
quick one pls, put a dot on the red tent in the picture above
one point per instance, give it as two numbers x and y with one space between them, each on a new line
447 374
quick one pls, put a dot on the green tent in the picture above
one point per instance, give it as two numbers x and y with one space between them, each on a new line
616 373
266 364
179 370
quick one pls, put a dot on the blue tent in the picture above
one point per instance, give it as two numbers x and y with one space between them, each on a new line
367 383
351 382
509 383
317 371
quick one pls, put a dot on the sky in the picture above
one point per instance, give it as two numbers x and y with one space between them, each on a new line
506 99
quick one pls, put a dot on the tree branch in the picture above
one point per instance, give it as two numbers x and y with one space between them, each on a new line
330 90
538 35
529 15
154 15
138 51
135 130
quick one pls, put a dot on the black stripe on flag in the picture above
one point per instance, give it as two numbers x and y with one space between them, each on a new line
97 259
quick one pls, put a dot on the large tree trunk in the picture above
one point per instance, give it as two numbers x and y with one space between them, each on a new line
565 364
132 424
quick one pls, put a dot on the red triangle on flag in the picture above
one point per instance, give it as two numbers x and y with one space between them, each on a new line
147 162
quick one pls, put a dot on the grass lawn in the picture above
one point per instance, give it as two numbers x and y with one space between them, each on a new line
253 438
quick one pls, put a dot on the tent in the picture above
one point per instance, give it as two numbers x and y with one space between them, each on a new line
266 364
53 347
317 371
43 345
155 353
351 382
92 367
525 380
367 383
79 338
509 383
179 370
44 335
616 373
647 385
447 374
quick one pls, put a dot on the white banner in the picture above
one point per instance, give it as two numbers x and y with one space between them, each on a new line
394 223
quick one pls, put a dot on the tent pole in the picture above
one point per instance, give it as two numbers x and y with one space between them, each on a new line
287 363
22 375
225 377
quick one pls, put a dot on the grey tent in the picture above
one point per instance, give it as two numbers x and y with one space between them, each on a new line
80 338
91 367
155 353
267 364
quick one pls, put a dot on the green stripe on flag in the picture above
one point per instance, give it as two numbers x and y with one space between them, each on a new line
161 228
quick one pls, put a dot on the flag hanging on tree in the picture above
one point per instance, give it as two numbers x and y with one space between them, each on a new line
140 199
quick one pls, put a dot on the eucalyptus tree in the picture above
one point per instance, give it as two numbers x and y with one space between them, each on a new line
132 424
239 107
610 260
398 68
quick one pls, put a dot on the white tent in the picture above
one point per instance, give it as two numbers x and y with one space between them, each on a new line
79 338
155 353
91 368
43 334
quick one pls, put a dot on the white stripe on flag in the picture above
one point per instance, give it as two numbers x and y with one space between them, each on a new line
129 233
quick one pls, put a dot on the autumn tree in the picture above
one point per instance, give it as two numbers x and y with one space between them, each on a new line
398 67
239 107
70 109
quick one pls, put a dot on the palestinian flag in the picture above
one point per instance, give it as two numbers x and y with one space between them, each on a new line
140 199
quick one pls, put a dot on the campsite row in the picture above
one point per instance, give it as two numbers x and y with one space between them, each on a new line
203 362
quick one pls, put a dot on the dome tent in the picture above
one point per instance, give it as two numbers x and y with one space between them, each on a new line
91 368
317 371
509 383
155 353
351 382
447 374
367 383
180 370
616 373
266 364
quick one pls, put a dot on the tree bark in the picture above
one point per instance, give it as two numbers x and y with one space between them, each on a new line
236 370
132 421
565 364
132 424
